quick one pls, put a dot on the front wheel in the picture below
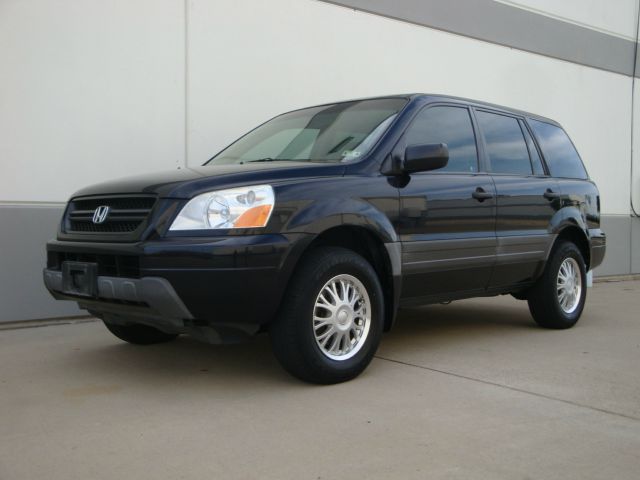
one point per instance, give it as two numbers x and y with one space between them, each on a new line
331 321
558 297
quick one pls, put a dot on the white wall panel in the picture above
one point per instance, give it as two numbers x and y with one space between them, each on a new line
250 60
89 90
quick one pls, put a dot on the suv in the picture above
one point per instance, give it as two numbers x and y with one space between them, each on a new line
318 225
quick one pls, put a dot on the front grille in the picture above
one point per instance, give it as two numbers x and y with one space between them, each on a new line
126 214
108 265
113 227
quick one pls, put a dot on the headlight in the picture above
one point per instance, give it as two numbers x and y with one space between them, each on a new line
242 207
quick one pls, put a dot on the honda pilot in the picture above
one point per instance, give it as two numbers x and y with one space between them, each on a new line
320 224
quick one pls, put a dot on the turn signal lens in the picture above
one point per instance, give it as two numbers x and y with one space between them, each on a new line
254 217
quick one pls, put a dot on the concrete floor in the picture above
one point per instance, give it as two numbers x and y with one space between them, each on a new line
468 390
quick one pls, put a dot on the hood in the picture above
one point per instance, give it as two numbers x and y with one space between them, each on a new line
187 182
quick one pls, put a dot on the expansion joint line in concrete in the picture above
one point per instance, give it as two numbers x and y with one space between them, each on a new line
514 389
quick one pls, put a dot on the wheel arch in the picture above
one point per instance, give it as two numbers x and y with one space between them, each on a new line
383 256
569 224
576 235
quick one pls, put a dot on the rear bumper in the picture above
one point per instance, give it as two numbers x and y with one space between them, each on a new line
185 281
598 247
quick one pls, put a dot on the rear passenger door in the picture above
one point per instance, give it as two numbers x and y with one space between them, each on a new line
527 197
447 216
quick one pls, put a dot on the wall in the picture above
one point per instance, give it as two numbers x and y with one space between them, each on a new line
89 90
92 90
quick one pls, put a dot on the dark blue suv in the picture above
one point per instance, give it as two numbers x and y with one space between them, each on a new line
321 223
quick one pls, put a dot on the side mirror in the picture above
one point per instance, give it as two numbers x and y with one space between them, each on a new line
425 157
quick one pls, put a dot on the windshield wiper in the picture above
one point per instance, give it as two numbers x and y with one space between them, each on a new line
265 159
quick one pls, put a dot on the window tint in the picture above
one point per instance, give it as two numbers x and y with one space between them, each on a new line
536 161
299 139
506 148
450 125
561 156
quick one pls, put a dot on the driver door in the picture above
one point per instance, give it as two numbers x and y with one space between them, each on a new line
447 216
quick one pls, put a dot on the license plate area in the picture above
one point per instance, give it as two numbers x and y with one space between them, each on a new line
80 278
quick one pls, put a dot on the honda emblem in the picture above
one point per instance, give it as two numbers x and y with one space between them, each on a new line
101 213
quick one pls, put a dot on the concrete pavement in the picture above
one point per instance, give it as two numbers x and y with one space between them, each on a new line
469 390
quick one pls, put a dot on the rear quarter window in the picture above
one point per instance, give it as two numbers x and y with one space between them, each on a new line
560 154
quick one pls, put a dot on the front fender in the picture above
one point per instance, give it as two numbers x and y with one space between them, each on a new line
315 206
321 216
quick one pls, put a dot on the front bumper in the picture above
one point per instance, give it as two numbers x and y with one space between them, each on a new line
146 297
183 282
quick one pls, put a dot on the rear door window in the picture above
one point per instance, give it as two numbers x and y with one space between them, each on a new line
506 148
450 125
536 161
560 154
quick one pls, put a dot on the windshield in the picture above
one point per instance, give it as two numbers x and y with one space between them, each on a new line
330 133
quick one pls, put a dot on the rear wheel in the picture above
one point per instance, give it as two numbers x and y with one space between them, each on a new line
331 320
558 297
139 334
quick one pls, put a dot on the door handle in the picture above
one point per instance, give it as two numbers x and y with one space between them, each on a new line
550 194
481 194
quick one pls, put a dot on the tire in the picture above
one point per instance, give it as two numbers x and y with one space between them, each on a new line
350 335
139 334
545 296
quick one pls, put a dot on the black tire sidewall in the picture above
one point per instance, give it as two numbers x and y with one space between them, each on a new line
293 336
569 250
545 305
375 329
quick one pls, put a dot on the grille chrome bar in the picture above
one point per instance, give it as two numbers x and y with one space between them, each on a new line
127 213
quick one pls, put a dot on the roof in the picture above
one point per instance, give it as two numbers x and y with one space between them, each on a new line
442 97
479 103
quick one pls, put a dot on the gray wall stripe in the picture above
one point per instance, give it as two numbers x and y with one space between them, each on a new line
637 63
25 231
510 26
